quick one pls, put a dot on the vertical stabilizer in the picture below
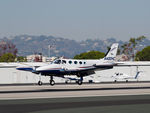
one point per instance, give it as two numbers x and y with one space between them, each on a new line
112 52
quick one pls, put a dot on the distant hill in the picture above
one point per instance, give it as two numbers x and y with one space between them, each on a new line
28 44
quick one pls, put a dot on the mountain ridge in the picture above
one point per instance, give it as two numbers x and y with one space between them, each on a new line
30 44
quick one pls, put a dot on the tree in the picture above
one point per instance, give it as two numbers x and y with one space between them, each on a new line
7 57
143 55
139 39
8 51
129 47
90 55
7 47
21 59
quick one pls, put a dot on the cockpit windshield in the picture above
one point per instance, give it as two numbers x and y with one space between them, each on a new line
63 62
57 62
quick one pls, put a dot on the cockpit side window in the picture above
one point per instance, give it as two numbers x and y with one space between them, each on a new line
63 61
57 61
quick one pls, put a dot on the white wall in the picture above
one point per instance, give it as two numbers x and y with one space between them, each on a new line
9 75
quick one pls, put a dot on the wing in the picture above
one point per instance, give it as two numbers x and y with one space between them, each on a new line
29 66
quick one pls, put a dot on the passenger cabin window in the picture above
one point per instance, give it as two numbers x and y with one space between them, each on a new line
57 61
63 62
70 62
75 62
80 62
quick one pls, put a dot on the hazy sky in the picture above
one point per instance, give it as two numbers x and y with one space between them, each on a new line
76 19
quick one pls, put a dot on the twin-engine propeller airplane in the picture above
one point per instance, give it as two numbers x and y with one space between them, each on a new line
123 76
80 68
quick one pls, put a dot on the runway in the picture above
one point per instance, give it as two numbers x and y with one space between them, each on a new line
73 90
87 98
121 104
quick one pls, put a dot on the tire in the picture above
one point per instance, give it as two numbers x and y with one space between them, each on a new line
66 82
40 83
52 82
79 82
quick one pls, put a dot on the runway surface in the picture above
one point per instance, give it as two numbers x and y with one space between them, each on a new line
119 104
73 90
88 98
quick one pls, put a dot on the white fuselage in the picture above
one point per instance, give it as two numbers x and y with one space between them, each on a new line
73 66
123 76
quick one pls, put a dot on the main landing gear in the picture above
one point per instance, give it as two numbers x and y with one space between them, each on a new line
79 82
51 81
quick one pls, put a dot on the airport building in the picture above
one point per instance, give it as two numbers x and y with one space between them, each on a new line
9 74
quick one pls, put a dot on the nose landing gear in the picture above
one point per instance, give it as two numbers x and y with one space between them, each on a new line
40 82
51 82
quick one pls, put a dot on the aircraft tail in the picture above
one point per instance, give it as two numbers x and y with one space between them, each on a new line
111 54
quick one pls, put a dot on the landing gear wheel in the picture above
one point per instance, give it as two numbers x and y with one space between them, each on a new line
79 82
66 81
40 83
52 82
126 80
